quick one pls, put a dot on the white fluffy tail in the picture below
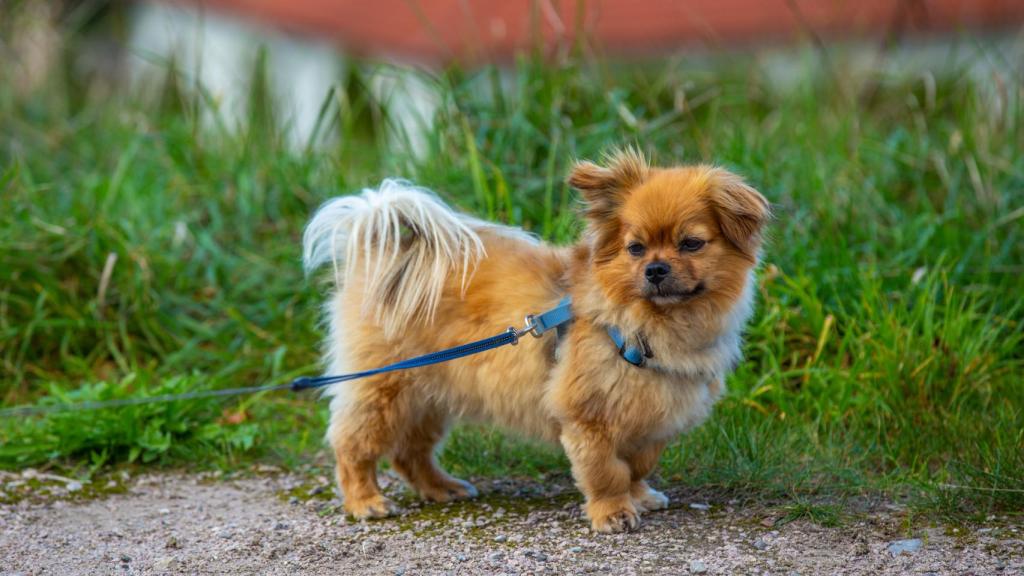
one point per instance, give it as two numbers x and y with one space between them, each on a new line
403 240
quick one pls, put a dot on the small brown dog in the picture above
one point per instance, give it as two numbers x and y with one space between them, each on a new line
667 259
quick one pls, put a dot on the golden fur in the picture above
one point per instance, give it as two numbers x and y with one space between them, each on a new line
477 278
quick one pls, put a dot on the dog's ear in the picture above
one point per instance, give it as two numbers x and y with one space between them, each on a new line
742 211
604 187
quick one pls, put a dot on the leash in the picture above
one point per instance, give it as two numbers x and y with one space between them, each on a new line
535 325
100 404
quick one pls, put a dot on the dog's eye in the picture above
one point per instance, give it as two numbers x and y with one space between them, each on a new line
636 249
691 244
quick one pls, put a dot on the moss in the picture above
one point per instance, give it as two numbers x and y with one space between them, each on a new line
429 519
41 490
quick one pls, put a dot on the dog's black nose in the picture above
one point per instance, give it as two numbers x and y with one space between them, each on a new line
656 272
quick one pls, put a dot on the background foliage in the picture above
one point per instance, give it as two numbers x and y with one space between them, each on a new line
151 245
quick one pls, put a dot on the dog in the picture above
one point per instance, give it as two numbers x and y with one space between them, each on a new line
667 260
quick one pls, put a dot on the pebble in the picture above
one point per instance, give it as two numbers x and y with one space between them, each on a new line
536 555
164 510
900 546
576 549
700 506
495 556
165 564
697 567
760 544
73 486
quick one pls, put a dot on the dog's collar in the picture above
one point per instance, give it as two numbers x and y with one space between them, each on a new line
636 353
561 315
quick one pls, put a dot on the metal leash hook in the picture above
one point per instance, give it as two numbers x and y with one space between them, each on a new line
531 328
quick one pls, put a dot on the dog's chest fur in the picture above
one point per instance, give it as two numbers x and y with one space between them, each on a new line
673 392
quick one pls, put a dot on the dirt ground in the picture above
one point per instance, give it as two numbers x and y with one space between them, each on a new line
280 523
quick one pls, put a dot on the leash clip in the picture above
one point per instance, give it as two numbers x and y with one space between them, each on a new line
531 328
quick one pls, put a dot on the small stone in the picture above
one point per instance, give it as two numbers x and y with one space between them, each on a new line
900 546
73 486
536 555
495 556
125 559
293 500
226 534
760 544
700 506
164 510
500 538
165 564
575 549
697 567
461 557
280 526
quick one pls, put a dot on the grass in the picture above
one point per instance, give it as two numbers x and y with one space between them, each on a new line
145 249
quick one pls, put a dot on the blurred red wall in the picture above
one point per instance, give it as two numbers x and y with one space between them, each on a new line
438 30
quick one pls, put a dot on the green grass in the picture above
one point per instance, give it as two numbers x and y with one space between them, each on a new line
885 358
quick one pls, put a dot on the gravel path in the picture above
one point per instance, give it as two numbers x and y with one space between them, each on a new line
278 523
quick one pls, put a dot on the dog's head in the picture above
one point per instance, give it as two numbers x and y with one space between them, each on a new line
669 237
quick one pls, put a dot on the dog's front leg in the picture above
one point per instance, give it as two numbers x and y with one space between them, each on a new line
641 463
603 477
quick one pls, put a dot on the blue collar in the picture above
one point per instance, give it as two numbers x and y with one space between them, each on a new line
636 353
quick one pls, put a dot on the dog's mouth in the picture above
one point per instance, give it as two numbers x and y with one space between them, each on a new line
674 295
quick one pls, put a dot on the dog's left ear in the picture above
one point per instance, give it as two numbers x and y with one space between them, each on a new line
742 211
604 187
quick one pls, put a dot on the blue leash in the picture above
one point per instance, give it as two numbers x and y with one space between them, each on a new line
536 325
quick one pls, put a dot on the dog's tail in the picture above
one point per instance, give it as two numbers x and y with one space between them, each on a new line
402 241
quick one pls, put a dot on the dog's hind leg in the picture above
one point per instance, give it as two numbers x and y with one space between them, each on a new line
413 458
363 430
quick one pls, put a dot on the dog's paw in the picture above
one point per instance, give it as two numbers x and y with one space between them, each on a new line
451 489
614 515
646 499
373 507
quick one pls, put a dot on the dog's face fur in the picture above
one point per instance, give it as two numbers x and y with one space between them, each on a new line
671 238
